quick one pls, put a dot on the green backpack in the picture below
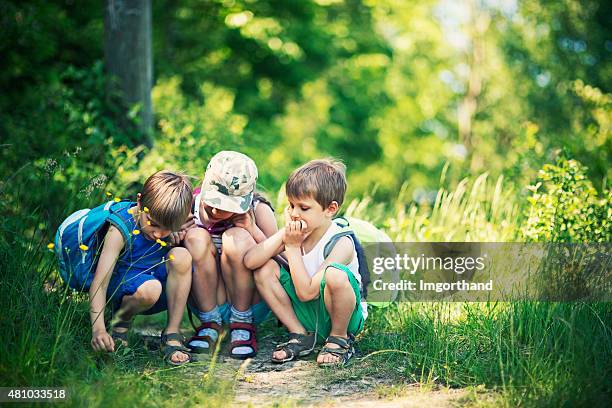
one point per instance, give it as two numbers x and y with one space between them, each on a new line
376 242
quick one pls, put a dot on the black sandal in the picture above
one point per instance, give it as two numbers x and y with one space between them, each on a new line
345 351
298 345
169 350
121 337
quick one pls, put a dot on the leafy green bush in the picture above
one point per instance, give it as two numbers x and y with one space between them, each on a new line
565 207
189 133
62 147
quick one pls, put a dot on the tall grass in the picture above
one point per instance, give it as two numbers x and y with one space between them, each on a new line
531 353
473 210
534 354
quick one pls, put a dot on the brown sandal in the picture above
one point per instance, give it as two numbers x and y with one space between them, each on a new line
212 344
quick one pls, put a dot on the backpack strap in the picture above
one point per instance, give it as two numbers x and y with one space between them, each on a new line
334 240
118 222
347 232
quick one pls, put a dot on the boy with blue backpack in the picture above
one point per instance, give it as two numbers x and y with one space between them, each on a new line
320 296
118 253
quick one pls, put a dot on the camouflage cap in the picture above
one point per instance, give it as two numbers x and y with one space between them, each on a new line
229 182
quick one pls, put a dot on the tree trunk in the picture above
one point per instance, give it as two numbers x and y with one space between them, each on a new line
128 59
479 23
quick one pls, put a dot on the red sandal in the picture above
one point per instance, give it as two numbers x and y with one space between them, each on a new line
251 342
212 344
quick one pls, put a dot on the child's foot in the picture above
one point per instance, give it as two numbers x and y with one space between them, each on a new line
175 353
243 343
298 345
119 332
336 351
206 338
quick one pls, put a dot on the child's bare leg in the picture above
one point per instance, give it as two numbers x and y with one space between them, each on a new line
340 302
241 287
177 290
205 277
238 278
143 299
267 279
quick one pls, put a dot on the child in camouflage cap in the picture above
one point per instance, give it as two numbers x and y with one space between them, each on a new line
231 221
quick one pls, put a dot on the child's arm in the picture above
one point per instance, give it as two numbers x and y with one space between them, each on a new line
306 287
265 222
257 256
260 224
113 244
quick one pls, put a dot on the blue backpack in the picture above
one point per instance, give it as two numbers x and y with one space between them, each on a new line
78 241
379 243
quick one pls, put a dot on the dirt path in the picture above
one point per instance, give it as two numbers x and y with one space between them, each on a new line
260 382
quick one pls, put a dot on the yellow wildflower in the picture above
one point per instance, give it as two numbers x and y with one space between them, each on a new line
162 243
146 209
108 194
171 257
117 199
148 222
50 245
83 247
131 210
136 232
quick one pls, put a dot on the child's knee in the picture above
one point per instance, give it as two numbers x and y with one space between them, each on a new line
236 242
336 279
180 260
198 241
269 271
148 293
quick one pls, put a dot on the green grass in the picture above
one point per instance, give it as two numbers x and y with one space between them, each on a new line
46 343
513 354
472 211
535 354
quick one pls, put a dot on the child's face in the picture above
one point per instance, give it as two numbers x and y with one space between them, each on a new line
151 229
309 210
216 214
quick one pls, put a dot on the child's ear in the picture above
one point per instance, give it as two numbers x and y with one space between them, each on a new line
332 208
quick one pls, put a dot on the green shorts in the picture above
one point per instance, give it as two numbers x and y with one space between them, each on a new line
313 315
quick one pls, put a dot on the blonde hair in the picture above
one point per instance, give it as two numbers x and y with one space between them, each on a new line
322 179
168 197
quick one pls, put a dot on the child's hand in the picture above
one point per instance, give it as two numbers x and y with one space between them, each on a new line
246 221
294 233
188 224
177 237
102 341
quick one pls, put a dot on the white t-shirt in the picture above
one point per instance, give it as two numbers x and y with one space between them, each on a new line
314 259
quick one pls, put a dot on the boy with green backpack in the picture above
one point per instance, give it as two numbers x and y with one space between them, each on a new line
319 297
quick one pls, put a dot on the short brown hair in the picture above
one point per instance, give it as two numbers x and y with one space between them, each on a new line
168 197
322 179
